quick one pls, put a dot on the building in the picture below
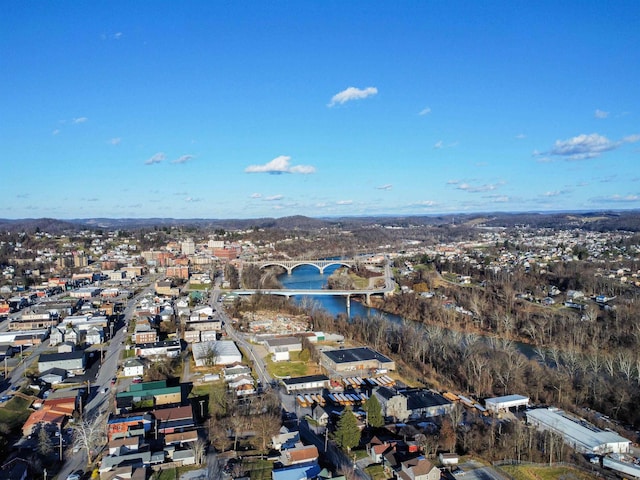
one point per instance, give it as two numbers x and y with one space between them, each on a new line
499 404
308 382
133 367
222 352
278 344
418 469
73 362
577 433
355 359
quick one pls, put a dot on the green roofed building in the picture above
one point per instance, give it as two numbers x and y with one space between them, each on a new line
157 391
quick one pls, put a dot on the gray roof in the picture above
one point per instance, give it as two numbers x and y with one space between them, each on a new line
359 354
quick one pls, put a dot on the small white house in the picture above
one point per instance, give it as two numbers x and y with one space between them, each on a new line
133 367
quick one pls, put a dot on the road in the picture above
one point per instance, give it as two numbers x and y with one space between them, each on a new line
100 404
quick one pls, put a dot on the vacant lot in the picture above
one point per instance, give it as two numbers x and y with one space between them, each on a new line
532 472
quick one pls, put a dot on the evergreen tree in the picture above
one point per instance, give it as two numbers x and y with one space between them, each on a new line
374 412
347 434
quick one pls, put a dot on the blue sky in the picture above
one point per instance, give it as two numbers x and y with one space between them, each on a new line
215 109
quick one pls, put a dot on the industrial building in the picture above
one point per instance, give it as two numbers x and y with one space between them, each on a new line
355 359
498 404
578 433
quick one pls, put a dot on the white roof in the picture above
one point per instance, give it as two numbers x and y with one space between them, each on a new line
507 401
578 433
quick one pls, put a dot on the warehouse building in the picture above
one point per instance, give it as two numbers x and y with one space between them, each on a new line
355 359
578 433
501 404
308 382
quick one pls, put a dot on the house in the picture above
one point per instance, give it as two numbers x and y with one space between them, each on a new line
235 371
133 367
94 335
285 439
56 336
320 415
53 376
419 468
124 445
168 348
174 419
181 438
298 455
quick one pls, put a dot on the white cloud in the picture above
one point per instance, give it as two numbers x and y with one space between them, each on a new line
192 199
387 186
582 147
487 187
498 198
453 182
273 198
352 93
425 111
280 165
521 136
439 144
56 131
183 159
80 120
344 202
425 203
632 138
157 158
115 141
600 114
256 195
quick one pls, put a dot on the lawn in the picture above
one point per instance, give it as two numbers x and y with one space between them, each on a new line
259 469
376 472
14 412
536 472
292 368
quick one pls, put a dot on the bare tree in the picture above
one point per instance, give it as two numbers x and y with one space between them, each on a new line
199 450
89 435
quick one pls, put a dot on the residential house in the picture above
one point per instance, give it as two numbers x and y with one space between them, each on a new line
419 468
133 367
299 455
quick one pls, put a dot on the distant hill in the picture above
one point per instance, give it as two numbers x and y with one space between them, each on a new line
628 220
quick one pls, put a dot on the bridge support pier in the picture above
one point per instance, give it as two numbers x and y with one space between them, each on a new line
367 299
348 306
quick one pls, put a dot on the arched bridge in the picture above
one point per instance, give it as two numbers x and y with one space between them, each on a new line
289 265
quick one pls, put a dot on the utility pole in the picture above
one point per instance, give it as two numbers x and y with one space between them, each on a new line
60 438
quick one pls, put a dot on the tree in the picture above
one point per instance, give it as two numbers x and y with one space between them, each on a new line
374 412
347 434
45 447
89 434
199 450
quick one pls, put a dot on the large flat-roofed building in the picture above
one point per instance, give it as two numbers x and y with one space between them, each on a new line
308 382
359 358
577 433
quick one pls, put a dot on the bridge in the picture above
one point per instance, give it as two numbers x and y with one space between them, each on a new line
389 283
289 265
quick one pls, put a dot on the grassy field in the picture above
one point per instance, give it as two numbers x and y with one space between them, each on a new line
293 368
535 472
376 472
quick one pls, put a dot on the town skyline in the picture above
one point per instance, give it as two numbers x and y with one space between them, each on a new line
322 110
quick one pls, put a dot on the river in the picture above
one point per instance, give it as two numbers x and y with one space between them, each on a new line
309 277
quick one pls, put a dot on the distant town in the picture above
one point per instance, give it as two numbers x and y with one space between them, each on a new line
471 346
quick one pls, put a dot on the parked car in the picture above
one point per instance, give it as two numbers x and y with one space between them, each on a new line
137 380
114 380
75 475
